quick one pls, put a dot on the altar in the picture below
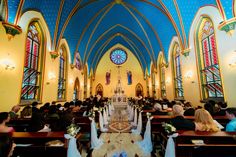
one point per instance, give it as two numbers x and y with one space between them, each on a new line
119 99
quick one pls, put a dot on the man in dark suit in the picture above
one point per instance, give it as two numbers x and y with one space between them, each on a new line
179 122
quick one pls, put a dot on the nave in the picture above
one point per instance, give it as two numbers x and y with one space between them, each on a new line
61 58
139 129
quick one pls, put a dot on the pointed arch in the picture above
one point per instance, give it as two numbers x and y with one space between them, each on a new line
208 61
63 68
76 94
138 90
63 42
177 71
33 63
153 79
85 72
162 67
99 89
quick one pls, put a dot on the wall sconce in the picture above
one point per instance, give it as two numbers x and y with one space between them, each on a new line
71 81
51 76
168 81
7 64
157 85
188 74
232 62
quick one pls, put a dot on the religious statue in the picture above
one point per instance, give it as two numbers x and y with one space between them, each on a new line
129 77
108 77
77 61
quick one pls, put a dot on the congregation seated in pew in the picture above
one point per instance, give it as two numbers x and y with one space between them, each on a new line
7 145
73 111
179 122
204 121
5 118
204 144
231 114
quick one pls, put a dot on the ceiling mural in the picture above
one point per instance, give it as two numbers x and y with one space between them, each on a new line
91 27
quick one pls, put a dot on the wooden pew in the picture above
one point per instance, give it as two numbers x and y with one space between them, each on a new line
216 144
32 144
20 124
85 130
159 119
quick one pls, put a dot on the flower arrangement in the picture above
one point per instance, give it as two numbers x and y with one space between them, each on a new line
91 113
169 129
149 115
73 129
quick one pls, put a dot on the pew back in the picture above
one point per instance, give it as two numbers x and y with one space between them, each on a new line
33 144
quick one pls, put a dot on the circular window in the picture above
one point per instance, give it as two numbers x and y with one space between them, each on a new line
118 56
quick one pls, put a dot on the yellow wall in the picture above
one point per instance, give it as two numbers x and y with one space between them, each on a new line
226 51
14 50
106 65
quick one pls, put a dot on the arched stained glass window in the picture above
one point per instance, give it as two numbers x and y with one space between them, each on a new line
153 79
179 92
32 69
61 94
162 77
209 64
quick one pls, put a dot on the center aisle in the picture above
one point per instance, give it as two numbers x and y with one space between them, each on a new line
119 139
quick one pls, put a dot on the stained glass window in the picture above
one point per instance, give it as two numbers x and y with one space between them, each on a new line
118 56
179 93
162 79
75 95
62 75
210 71
30 85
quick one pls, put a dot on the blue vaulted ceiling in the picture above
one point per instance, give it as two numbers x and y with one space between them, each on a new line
91 27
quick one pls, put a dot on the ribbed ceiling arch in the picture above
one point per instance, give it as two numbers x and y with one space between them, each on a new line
91 27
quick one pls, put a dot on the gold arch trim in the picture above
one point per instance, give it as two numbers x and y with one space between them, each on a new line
17 18
89 23
141 26
221 9
113 27
181 21
149 24
193 22
6 12
66 22
57 25
167 12
127 40
96 26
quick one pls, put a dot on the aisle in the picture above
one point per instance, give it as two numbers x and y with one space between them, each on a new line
119 139
119 121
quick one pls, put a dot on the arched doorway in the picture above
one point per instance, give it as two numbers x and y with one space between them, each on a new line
138 89
76 93
99 90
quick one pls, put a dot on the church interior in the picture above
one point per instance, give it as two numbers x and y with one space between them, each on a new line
117 78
